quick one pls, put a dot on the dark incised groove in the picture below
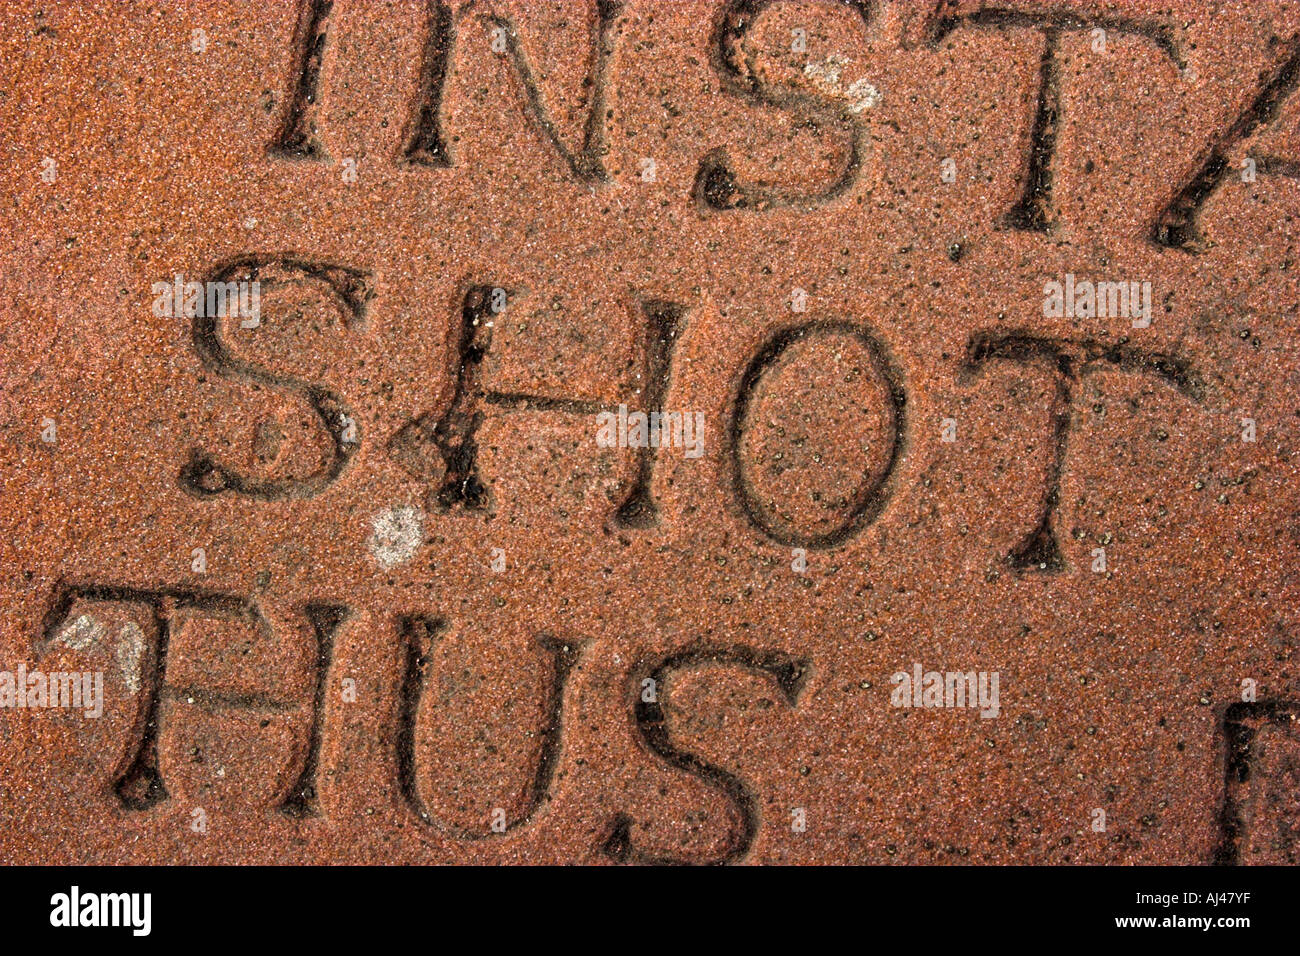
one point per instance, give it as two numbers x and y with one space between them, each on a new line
790 675
1033 211
1275 166
296 138
716 186
140 785
1018 347
1241 725
325 621
1177 225
664 324
1040 550
1068 360
565 657
449 439
454 435
587 164
443 449
203 476
524 402
1175 370
871 496
419 635
426 144
215 700
1161 35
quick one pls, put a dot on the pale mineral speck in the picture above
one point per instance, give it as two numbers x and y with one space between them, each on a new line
81 633
129 650
397 534
861 94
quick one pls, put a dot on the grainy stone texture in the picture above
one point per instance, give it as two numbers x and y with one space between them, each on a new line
428 601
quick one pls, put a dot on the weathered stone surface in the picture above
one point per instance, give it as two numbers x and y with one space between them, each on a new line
362 581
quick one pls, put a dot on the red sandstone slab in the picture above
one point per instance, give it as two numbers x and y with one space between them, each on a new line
371 576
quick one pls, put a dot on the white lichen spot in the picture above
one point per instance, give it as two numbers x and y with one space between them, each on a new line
81 633
397 534
129 651
826 74
861 94
87 631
